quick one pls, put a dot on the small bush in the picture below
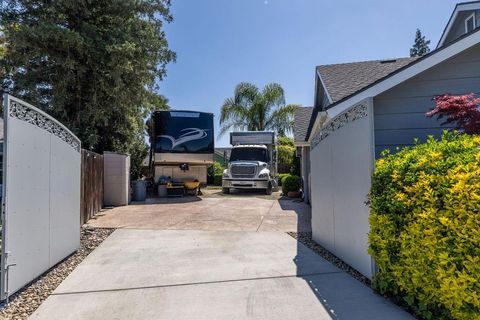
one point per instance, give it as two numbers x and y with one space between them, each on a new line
214 170
425 217
285 153
217 180
217 168
291 183
282 176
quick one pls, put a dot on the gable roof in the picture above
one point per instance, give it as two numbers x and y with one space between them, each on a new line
301 122
401 74
344 79
463 6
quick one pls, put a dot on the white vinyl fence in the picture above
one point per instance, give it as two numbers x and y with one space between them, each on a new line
41 194
342 158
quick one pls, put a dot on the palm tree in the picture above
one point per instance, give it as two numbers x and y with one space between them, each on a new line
254 110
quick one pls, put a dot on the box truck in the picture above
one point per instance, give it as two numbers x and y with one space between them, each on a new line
252 163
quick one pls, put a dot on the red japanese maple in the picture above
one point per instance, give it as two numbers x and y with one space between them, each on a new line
463 111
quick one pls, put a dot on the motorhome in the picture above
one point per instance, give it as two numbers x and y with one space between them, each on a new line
182 144
252 163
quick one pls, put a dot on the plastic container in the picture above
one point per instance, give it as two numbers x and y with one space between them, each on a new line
162 190
139 190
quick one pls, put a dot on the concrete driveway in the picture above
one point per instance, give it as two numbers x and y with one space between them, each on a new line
214 257
189 274
241 211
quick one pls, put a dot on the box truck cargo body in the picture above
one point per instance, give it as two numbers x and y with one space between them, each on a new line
252 163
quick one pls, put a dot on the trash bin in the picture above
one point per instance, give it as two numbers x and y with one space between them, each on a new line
139 190
162 190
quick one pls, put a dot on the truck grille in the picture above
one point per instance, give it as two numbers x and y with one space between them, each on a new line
243 171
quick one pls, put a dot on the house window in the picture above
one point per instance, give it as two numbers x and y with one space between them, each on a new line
470 23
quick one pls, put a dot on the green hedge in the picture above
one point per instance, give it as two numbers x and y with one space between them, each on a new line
282 176
217 179
291 183
212 173
425 227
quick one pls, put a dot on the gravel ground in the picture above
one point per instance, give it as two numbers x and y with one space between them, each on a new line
27 300
306 239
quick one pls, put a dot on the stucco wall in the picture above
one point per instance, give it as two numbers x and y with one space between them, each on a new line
400 111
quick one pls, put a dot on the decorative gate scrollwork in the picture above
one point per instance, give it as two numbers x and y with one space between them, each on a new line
357 112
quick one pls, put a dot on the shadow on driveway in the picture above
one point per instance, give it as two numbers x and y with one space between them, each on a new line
342 296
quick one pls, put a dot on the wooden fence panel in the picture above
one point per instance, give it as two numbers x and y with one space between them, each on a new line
91 185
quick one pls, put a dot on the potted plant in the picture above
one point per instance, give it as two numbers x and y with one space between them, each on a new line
291 186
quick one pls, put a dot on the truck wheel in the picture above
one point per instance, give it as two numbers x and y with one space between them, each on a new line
268 191
226 190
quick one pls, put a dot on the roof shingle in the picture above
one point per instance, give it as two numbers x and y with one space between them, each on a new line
345 79
301 123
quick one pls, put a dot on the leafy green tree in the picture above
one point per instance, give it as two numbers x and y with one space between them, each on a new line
3 52
94 65
420 46
255 110
285 153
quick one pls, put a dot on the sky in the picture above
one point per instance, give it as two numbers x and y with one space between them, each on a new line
220 43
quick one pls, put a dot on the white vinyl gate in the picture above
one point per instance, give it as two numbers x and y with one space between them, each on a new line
342 156
41 194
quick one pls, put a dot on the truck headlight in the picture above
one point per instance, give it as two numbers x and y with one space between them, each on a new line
225 174
263 175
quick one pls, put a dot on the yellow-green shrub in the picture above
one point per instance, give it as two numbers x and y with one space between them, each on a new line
425 226
281 177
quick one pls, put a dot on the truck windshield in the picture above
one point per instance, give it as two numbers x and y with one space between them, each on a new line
249 154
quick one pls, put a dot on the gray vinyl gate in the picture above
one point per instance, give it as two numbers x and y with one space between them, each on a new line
342 156
40 196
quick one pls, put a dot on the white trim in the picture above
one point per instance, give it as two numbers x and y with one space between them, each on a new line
372 125
301 144
458 8
472 16
319 121
324 87
420 66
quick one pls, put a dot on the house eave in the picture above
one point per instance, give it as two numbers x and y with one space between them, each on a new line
325 89
320 118
301 144
472 5
401 75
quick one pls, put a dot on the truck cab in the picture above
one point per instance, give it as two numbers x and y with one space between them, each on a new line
252 163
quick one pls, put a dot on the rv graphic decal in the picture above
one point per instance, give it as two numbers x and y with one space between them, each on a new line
191 134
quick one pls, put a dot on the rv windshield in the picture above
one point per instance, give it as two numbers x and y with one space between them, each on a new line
249 154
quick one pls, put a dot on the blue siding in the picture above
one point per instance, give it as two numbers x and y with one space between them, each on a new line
458 27
400 112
